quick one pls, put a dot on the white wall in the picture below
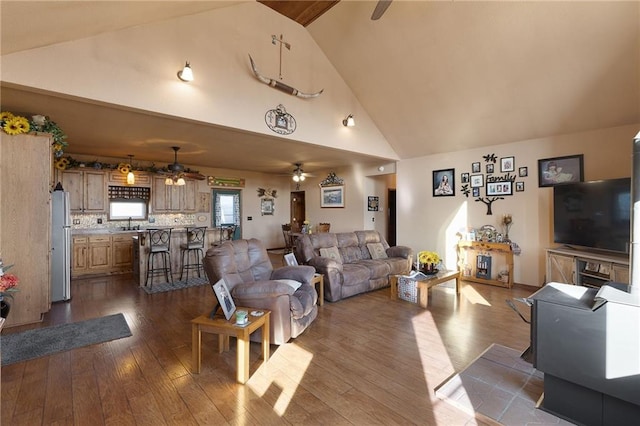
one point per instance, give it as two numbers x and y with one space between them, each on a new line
429 223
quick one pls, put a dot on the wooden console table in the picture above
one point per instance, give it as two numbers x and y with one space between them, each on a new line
468 252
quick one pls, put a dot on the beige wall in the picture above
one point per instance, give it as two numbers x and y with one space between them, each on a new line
428 223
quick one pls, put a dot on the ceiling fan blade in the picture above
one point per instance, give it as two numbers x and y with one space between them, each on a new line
381 7
195 176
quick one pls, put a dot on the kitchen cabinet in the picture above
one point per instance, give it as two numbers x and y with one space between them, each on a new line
26 176
122 252
102 254
173 198
586 268
87 190
80 252
99 253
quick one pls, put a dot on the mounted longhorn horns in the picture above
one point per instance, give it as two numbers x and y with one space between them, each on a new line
281 86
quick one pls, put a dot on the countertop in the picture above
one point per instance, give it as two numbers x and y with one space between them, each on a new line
99 231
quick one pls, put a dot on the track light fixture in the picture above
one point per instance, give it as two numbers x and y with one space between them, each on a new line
186 74
349 121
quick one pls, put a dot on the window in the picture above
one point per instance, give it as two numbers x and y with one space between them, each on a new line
226 209
125 209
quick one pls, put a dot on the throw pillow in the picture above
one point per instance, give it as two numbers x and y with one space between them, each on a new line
291 283
331 253
376 250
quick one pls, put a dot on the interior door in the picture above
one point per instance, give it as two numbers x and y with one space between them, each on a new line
391 225
298 208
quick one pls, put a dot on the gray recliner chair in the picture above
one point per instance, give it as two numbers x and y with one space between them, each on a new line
246 269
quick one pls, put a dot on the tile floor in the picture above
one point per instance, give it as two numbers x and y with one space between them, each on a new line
500 385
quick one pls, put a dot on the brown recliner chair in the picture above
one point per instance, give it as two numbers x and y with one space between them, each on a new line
246 269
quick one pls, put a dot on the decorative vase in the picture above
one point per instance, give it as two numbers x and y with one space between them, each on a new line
4 309
429 268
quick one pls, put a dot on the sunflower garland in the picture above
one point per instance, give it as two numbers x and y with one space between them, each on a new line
13 124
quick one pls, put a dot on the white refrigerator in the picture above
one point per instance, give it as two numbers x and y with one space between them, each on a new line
60 247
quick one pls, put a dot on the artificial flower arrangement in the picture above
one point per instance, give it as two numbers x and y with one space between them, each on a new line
13 124
428 257
8 282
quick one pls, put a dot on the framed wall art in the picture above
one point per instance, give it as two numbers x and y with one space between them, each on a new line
476 192
464 178
490 168
267 206
477 181
373 203
507 164
444 183
559 170
523 171
332 196
499 188
519 186
475 167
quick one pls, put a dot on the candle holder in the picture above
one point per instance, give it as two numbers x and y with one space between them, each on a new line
507 221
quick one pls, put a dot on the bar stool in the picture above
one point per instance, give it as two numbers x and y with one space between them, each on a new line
159 244
193 246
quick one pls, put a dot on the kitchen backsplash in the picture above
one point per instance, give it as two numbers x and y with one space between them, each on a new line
90 221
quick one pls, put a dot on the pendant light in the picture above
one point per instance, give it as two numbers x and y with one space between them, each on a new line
131 179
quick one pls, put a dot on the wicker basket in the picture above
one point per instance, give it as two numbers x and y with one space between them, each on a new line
408 289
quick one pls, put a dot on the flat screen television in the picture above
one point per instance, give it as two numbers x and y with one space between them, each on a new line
594 215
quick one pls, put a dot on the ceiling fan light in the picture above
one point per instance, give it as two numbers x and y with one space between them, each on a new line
296 178
186 73
168 181
302 178
181 182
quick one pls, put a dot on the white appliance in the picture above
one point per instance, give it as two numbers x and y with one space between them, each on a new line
60 247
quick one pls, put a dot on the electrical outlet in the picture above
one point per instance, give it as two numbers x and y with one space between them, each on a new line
99 221
76 221
249 217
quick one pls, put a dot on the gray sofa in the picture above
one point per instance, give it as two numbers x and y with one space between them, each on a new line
354 270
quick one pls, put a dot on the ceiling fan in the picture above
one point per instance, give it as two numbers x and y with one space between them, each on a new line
298 173
176 172
381 7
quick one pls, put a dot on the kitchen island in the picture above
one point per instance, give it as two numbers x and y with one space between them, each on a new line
178 236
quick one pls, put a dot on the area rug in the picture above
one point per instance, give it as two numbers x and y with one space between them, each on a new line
59 338
499 385
176 285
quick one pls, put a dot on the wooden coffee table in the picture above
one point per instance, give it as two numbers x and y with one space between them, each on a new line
425 284
223 328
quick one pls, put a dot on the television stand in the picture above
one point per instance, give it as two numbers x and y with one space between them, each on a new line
588 268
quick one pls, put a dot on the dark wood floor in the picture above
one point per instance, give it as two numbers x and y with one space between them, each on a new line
365 360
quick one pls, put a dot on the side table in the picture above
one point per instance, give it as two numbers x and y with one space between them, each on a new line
223 328
318 280
425 284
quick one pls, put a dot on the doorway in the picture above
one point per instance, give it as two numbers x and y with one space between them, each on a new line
227 210
391 217
298 208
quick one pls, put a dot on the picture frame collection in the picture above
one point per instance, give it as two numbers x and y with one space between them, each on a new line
503 177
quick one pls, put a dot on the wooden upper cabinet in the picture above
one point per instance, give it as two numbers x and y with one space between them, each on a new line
171 198
87 190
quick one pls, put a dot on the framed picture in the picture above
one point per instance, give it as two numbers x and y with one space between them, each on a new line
523 172
507 164
267 206
290 259
477 181
476 192
224 299
559 170
519 186
490 168
499 188
332 196
475 167
373 203
464 178
444 183
592 267
604 269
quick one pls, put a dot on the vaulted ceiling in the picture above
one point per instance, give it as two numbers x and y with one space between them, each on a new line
433 76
